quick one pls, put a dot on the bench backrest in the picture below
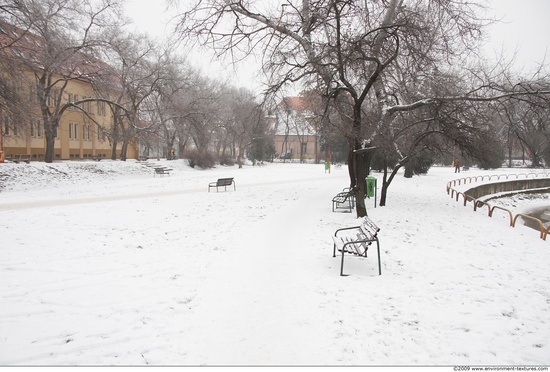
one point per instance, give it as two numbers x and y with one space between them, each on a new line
369 228
341 197
367 231
224 181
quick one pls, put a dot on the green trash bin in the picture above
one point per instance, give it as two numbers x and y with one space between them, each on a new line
371 186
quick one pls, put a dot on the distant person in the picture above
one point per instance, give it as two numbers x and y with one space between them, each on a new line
457 166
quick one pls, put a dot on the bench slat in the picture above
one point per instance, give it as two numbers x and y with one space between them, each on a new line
356 240
341 198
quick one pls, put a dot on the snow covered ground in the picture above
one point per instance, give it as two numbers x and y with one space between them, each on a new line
104 264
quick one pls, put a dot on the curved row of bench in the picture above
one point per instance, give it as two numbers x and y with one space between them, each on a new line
477 203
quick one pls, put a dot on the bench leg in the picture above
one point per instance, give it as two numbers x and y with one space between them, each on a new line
342 264
379 262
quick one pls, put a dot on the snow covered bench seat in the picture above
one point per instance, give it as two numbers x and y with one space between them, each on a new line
341 198
356 240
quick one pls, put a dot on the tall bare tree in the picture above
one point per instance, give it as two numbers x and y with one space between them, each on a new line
343 45
60 40
356 52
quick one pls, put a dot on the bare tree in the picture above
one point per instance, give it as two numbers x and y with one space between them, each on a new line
140 68
344 46
246 116
15 106
356 52
167 106
60 38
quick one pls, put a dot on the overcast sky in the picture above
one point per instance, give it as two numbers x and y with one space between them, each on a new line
524 30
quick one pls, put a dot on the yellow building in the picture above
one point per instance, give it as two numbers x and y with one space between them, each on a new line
78 136
81 134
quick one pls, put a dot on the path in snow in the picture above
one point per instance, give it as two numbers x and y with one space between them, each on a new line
266 303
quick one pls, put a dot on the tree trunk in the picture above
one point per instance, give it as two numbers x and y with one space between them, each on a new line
384 190
409 169
239 157
358 168
361 172
49 133
113 150
124 150
387 181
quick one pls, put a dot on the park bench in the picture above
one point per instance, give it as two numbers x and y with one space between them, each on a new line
20 158
222 182
161 171
96 157
356 240
341 198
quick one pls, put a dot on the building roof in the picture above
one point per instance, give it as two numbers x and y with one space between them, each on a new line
293 117
292 103
32 50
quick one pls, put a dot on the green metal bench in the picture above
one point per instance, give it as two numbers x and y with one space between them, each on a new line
339 201
222 182
356 240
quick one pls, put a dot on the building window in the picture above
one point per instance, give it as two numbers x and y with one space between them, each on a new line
36 128
100 134
53 98
9 126
304 147
6 121
101 108
33 94
86 132
73 131
71 99
87 106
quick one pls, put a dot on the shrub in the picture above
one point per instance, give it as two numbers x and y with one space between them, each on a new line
201 159
227 160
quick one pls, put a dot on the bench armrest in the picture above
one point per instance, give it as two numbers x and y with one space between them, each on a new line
346 228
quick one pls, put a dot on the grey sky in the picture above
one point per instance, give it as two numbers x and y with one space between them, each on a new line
524 31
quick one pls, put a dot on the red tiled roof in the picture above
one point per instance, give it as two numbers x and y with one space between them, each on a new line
294 103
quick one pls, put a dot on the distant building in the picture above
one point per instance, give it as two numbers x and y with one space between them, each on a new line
81 133
295 137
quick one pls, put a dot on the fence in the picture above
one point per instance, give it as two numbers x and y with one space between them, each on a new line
477 203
